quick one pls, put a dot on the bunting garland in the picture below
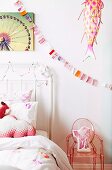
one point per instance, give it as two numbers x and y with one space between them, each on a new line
54 55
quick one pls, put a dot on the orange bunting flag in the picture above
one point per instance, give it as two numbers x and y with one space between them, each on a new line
78 73
23 13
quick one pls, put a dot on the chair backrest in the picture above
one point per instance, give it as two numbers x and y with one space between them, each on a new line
83 133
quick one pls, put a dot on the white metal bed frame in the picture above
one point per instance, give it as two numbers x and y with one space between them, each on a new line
42 81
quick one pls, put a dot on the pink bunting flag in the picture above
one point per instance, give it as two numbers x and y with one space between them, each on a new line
18 3
68 65
83 77
89 80
95 82
41 39
61 59
108 86
55 55
28 18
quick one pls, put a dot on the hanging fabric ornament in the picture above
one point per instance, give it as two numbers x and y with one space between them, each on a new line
92 21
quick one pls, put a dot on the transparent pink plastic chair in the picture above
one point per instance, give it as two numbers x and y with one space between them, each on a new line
83 143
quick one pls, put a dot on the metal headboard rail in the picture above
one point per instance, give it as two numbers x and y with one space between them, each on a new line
42 77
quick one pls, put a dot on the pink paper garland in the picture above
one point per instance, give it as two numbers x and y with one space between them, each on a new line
54 55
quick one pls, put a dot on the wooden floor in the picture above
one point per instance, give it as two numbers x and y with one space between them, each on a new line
89 167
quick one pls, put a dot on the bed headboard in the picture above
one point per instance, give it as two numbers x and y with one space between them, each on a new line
20 77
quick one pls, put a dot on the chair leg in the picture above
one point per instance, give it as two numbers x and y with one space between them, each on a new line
68 158
102 162
72 156
94 163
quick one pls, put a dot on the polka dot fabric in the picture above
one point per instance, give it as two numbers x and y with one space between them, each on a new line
12 127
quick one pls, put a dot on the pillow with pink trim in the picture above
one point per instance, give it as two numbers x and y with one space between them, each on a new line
82 135
12 127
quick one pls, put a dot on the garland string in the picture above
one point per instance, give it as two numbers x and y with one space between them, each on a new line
54 54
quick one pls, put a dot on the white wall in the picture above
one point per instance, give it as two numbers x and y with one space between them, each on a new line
59 23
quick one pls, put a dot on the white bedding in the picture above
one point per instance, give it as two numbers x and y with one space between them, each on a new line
42 133
32 153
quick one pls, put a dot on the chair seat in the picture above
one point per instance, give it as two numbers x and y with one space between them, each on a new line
85 154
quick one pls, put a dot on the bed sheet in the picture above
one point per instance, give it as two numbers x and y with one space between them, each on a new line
42 133
32 153
8 168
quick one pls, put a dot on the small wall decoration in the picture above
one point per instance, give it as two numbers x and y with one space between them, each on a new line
15 34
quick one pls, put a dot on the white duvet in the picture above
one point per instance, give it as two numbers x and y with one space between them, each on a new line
32 153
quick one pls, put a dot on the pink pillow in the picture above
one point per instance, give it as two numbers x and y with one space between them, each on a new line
10 126
82 135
